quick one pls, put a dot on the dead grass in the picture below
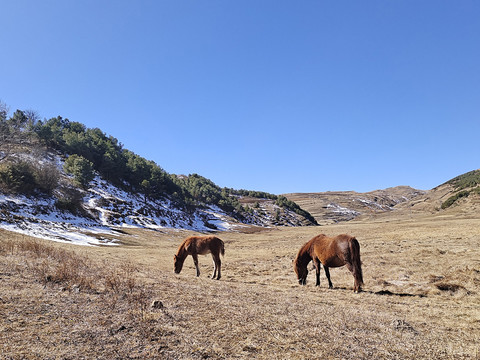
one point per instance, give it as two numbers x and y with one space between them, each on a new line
422 290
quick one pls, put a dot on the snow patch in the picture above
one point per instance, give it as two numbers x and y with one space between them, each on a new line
335 208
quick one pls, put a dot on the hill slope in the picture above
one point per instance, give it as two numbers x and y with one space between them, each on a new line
94 214
57 176
458 196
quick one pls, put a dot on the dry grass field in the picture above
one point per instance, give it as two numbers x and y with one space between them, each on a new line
421 298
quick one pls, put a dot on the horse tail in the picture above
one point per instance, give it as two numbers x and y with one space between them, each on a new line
222 248
355 260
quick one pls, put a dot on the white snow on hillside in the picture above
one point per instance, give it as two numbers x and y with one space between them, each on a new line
110 208
335 208
106 209
40 218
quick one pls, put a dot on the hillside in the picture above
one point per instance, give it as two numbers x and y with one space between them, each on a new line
330 207
459 196
63 181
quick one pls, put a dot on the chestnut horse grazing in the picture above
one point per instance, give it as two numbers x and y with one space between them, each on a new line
200 245
330 252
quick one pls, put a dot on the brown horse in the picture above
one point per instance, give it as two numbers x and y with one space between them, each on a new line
200 245
330 252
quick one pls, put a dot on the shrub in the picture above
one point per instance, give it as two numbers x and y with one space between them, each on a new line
283 202
451 200
25 178
69 199
47 177
17 178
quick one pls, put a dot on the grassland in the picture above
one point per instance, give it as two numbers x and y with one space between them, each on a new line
421 298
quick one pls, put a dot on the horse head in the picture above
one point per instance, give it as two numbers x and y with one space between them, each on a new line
302 279
177 264
301 272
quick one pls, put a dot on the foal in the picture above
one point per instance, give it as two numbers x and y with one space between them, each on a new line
330 252
200 245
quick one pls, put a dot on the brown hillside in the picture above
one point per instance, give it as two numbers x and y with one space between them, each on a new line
330 207
431 203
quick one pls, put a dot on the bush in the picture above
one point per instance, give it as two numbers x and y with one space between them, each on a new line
18 178
451 200
47 178
283 202
25 178
69 199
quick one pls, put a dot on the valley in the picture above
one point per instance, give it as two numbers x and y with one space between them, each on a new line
115 297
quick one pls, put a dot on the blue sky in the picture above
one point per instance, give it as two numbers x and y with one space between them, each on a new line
278 96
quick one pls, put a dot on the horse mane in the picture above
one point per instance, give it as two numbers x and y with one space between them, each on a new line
304 255
182 252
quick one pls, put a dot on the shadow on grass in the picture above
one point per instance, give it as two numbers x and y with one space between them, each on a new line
389 293
382 292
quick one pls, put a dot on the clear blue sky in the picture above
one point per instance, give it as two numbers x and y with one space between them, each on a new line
278 96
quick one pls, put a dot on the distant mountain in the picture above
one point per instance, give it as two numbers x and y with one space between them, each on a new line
335 206
459 196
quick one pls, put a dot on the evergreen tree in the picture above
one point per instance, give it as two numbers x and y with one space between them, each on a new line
80 168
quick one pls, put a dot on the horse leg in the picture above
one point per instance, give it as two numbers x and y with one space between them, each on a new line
195 261
327 272
356 285
316 262
219 267
214 267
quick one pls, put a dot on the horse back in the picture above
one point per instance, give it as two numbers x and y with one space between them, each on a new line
332 251
202 245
